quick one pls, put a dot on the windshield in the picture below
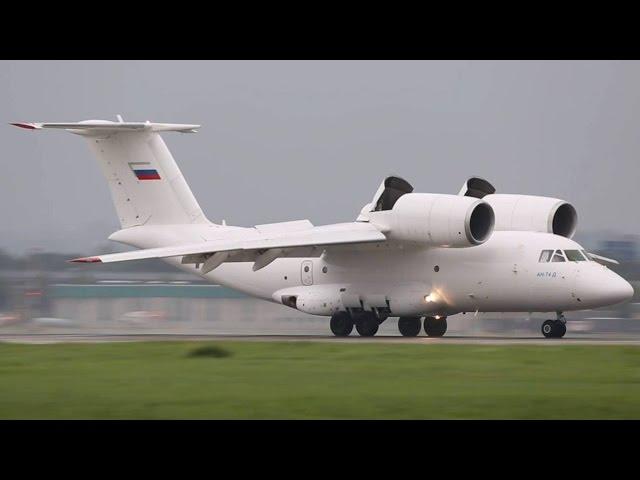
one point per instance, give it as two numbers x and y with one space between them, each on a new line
575 256
563 256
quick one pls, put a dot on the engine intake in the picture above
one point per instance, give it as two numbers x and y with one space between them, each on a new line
481 222
565 220
534 214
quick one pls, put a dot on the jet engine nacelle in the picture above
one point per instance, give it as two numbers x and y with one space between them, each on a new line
533 214
437 220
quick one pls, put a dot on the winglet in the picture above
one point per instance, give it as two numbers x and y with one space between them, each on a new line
86 260
28 126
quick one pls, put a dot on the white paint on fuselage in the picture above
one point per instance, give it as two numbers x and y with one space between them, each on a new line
503 274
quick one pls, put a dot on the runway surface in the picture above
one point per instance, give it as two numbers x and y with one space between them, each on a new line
34 338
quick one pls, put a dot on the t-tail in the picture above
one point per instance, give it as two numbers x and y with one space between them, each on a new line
146 185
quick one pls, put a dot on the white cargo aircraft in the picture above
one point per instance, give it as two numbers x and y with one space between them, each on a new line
417 256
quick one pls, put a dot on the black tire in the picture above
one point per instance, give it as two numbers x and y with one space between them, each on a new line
341 324
549 329
435 327
367 325
561 328
409 326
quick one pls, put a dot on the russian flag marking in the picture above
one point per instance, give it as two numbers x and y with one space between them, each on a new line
143 171
147 174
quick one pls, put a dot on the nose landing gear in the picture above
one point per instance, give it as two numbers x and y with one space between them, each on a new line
555 328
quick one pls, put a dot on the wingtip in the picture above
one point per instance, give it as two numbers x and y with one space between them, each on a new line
28 126
86 260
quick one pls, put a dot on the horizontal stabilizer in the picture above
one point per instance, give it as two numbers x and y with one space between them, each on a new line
106 126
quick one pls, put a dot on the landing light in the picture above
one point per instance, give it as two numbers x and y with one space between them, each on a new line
432 297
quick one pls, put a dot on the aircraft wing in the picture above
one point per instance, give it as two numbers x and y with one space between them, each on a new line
261 245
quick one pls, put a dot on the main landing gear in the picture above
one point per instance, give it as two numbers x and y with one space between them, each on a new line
555 328
409 326
366 324
341 324
433 326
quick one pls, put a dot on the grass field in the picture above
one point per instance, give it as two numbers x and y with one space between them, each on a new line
248 380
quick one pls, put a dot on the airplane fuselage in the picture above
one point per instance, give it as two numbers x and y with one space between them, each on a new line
502 275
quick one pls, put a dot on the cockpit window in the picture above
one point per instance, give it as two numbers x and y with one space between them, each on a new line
574 256
545 256
586 255
558 256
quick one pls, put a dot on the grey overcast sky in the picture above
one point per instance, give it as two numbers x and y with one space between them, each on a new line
290 140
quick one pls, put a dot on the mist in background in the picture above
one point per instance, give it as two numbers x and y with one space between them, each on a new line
284 140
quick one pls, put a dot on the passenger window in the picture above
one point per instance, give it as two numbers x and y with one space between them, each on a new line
558 256
545 256
574 256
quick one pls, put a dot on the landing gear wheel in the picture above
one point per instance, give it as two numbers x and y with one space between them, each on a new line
367 325
341 324
435 327
561 328
547 329
409 326
554 329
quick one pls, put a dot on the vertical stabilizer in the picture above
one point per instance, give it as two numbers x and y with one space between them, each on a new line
146 185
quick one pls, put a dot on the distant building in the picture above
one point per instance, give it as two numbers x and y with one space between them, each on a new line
623 249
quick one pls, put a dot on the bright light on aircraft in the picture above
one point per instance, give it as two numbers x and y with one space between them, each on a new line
432 297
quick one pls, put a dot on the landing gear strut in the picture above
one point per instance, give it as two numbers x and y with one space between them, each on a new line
409 326
555 328
341 324
435 326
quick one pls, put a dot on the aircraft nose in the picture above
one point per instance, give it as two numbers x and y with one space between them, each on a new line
617 289
599 287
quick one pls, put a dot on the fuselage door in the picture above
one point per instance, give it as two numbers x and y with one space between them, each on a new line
306 272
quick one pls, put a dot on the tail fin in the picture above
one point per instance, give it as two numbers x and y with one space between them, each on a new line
146 185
